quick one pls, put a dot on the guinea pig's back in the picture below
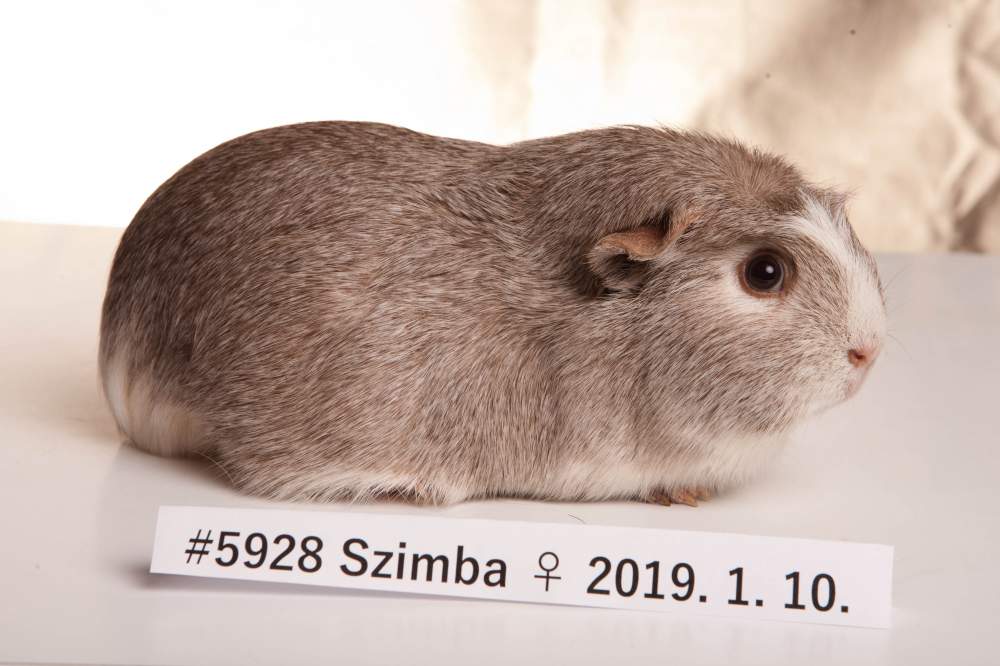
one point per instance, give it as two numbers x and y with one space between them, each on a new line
283 263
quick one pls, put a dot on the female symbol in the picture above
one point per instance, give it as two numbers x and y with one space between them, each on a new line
552 560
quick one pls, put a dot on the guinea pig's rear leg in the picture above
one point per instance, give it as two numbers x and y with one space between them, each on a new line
686 496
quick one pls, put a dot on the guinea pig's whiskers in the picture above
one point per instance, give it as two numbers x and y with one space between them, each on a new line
901 346
895 307
888 283
892 304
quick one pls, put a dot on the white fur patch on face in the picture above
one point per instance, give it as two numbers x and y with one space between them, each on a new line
866 321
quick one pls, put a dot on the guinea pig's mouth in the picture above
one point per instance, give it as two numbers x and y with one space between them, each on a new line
855 381
849 388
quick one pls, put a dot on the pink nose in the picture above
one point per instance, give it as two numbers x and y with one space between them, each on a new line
862 356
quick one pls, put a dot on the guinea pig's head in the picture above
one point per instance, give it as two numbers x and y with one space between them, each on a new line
754 304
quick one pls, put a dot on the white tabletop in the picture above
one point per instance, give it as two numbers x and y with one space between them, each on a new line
913 461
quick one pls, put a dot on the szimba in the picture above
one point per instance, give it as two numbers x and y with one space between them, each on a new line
462 569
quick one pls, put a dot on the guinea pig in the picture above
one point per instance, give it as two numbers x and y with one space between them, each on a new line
340 310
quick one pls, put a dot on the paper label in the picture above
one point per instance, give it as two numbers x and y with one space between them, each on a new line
734 575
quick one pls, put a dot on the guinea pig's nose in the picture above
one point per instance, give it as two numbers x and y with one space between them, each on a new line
863 355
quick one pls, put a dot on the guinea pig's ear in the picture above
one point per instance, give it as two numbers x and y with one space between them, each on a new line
621 260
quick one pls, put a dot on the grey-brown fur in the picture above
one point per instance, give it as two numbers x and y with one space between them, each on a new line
350 309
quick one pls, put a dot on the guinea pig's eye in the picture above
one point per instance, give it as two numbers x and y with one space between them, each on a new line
764 273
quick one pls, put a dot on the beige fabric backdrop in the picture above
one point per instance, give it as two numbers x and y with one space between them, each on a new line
897 101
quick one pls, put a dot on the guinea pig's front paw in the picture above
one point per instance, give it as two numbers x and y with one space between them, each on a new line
686 496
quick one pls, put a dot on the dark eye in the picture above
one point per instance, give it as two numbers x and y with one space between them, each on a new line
764 273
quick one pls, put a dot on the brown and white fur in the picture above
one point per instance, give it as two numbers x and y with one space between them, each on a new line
347 310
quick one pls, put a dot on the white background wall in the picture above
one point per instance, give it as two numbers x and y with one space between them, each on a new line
101 101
